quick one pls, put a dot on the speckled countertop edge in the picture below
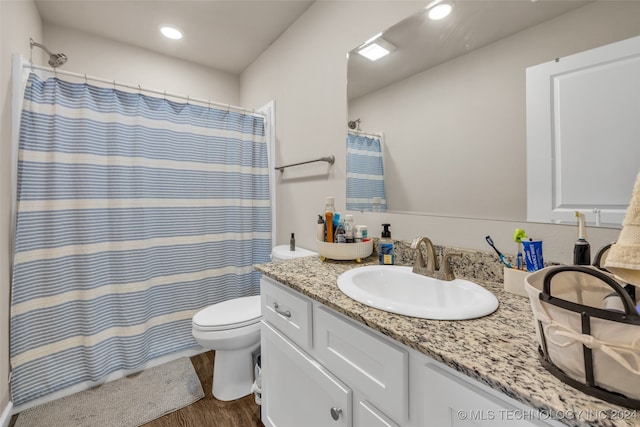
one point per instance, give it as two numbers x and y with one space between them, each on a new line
499 350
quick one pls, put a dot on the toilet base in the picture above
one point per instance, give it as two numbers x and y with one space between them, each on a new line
233 373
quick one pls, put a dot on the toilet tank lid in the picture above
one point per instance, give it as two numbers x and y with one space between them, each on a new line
282 252
231 312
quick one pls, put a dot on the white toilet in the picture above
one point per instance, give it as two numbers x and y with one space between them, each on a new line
232 329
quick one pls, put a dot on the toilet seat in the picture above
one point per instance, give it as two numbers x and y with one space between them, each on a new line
230 314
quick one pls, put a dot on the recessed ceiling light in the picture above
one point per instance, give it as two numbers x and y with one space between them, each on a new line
171 32
440 11
376 49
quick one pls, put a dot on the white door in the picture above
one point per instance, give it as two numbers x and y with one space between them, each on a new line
583 134
297 390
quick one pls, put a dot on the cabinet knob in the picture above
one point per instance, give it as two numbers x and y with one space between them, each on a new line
284 313
335 413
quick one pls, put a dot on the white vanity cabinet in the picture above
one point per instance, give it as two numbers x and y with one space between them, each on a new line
320 368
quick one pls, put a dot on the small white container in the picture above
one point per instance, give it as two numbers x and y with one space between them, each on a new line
514 281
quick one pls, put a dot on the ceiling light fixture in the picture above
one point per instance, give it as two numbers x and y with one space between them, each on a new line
170 32
440 11
375 48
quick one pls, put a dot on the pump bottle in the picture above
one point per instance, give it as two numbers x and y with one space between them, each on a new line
385 247
581 249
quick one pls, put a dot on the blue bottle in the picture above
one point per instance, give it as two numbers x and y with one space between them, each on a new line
385 247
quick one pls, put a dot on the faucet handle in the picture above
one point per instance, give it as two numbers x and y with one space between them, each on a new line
445 272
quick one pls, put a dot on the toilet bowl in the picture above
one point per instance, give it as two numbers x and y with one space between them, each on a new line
232 329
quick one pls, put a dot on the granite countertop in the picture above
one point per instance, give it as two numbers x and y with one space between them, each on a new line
499 350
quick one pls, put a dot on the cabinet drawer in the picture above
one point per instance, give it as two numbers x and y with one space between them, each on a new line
364 361
287 311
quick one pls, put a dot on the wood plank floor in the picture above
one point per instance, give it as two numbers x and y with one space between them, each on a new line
208 411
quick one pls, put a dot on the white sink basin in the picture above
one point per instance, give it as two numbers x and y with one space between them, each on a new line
398 290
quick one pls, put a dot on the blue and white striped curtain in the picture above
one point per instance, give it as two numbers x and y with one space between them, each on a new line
365 172
134 212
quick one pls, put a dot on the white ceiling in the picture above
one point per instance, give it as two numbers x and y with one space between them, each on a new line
421 43
226 35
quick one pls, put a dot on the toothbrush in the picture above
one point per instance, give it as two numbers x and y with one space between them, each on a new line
518 235
490 242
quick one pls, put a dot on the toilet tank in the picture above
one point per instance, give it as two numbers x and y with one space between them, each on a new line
281 253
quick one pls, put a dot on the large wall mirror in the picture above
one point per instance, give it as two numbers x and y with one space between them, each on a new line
449 100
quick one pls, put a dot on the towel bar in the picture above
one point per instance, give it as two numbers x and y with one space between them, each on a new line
330 159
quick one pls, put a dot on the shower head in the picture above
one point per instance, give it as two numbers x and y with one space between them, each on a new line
55 59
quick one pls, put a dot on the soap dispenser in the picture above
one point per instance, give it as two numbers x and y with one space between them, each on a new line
581 249
385 247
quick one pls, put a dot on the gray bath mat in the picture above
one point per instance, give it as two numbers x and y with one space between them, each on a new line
127 402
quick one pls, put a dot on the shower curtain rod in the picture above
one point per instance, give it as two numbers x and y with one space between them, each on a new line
141 89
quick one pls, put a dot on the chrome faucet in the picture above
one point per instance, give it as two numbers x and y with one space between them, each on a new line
443 272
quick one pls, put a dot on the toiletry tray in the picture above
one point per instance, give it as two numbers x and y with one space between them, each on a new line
345 251
584 345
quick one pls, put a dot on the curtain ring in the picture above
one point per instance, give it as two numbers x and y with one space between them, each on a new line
114 85
209 104
187 99
139 90
165 95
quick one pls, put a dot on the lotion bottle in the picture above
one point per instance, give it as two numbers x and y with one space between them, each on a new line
328 215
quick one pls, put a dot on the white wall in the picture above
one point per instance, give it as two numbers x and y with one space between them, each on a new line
19 20
305 72
104 58
477 125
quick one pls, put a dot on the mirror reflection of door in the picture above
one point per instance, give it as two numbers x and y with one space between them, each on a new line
583 134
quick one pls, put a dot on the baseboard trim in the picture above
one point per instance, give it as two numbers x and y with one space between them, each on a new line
6 415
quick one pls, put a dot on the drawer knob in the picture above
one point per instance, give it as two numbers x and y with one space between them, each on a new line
335 413
285 313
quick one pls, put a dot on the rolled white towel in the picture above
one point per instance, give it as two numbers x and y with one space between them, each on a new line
623 258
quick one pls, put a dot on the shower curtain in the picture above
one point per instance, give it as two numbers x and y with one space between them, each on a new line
365 172
133 213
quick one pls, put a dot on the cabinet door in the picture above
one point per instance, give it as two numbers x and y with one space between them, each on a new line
367 363
451 401
369 416
298 391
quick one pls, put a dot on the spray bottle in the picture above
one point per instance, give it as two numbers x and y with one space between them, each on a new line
582 249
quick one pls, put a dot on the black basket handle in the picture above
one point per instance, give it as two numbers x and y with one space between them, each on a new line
629 305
